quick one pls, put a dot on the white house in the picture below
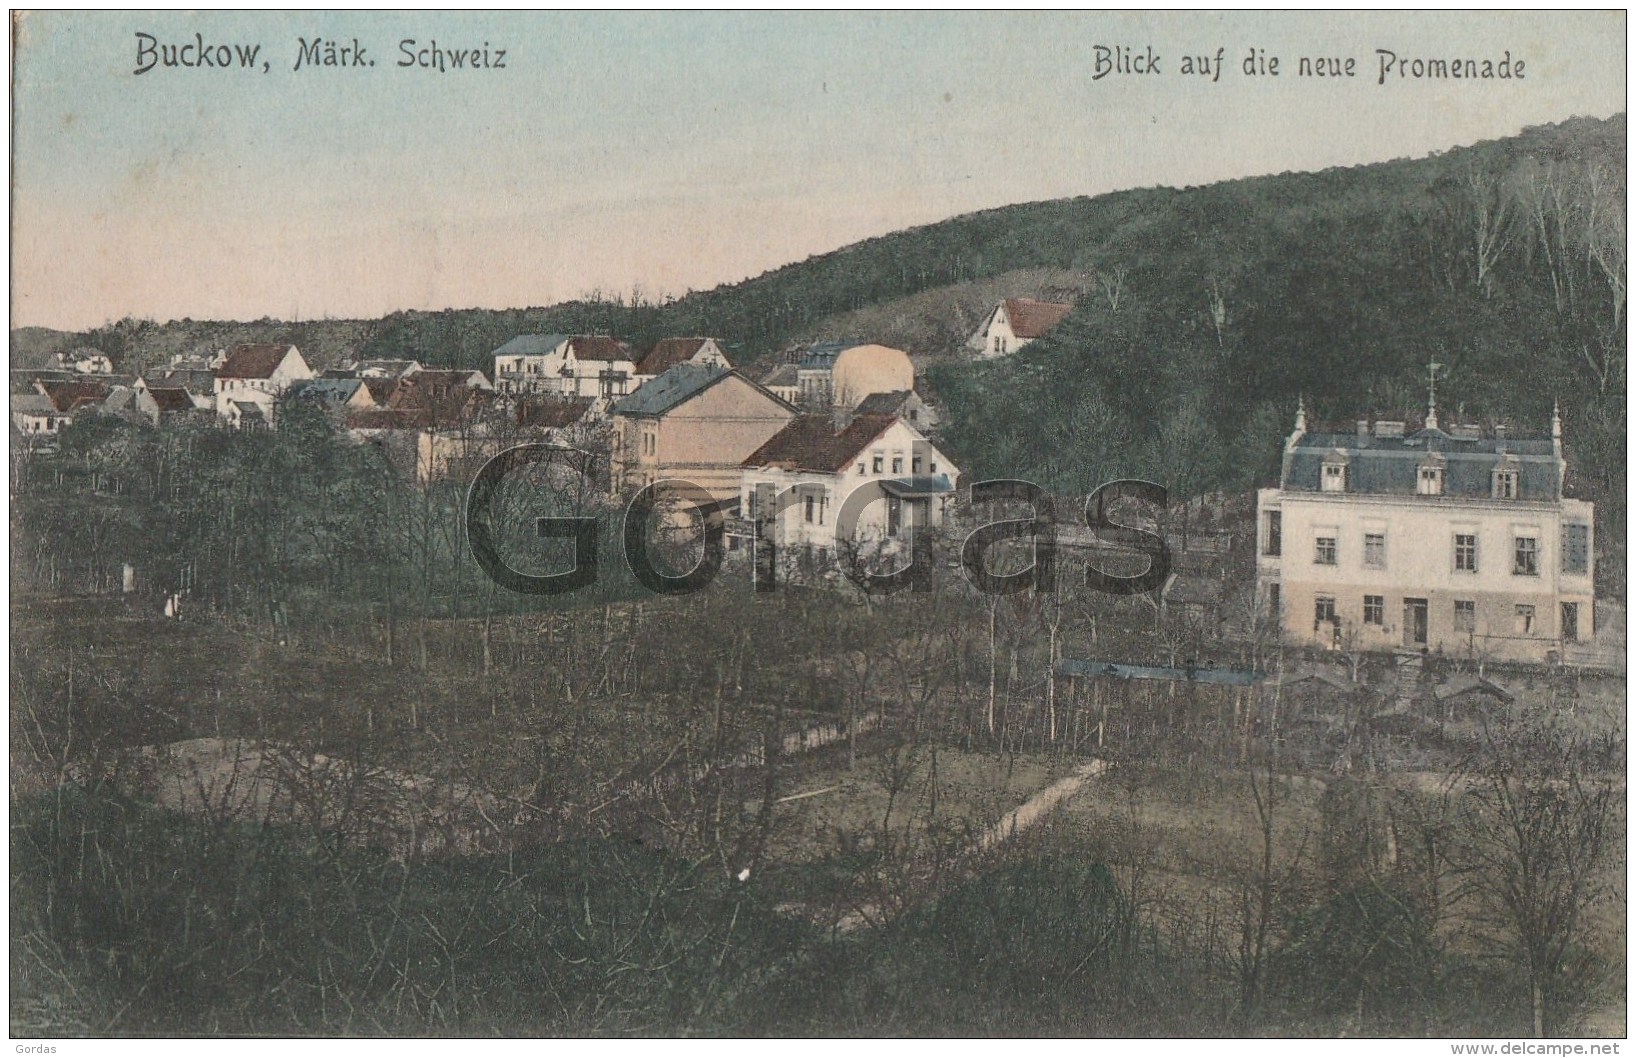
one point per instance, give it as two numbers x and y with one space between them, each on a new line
1458 541
258 374
867 486
1014 323
567 366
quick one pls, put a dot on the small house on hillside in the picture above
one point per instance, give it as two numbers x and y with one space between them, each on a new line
1014 323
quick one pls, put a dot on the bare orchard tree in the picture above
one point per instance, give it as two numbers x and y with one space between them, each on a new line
1532 833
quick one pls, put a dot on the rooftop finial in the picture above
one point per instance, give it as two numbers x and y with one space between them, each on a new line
1300 415
1556 421
1431 398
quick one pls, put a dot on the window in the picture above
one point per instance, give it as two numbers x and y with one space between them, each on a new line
1465 552
1525 557
1505 484
1273 602
1374 550
1430 482
931 468
1374 609
750 500
1465 615
1334 477
860 468
1323 611
1525 620
897 464
1273 544
1326 551
914 416
880 462
1576 548
812 507
914 465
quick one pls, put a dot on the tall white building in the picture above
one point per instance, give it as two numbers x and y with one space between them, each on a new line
1457 541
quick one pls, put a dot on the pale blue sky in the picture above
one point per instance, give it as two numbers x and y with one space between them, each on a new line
672 151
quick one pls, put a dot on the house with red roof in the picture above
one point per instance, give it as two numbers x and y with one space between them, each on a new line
259 373
1014 323
668 352
870 484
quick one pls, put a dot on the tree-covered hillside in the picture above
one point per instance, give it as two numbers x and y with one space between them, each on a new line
1212 309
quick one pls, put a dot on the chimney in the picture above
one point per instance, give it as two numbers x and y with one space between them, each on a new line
1363 432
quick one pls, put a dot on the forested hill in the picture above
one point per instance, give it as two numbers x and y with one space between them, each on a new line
1215 307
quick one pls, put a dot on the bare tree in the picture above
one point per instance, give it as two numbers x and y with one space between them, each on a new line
1533 830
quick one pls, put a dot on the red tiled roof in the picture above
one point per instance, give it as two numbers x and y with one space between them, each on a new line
600 348
66 396
445 404
667 353
253 361
809 442
170 398
1031 319
552 413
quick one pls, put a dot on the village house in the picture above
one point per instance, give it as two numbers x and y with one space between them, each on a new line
905 404
803 477
34 415
85 361
1459 541
668 352
842 374
162 404
576 366
784 382
260 375
461 452
696 422
1014 323
333 395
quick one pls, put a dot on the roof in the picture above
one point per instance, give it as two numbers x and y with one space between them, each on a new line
334 390
884 403
595 347
675 386
32 404
532 345
918 485
552 413
667 353
1391 465
820 356
249 408
809 442
380 389
253 361
783 375
170 398
447 402
68 395
1031 319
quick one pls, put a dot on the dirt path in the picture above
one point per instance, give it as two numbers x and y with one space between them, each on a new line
1037 807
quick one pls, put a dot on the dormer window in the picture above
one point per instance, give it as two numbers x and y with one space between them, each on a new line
1505 483
1430 479
1334 476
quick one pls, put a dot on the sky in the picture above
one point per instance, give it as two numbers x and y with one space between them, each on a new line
661 153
